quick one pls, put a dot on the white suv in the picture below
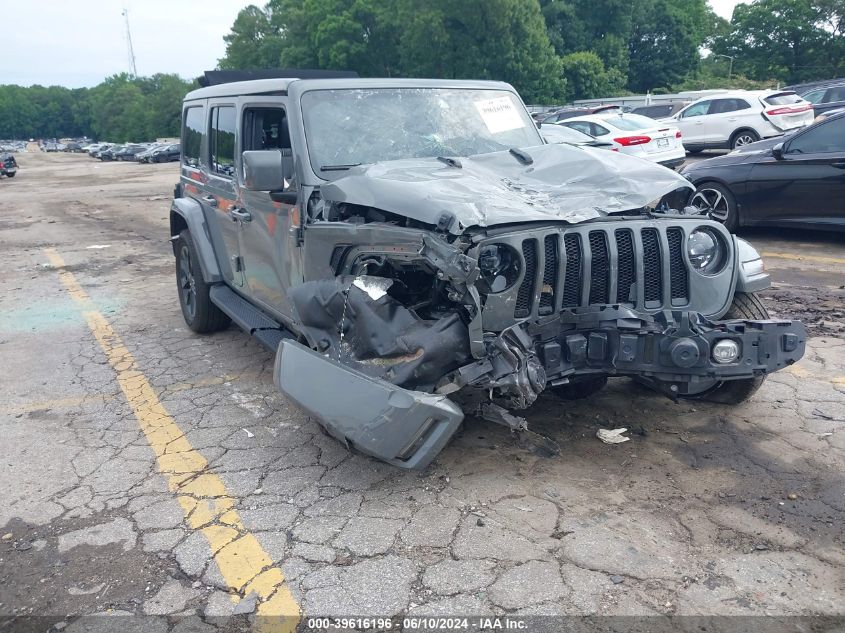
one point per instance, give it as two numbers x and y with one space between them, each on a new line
732 119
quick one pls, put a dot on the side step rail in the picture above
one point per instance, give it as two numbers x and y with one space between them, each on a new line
250 319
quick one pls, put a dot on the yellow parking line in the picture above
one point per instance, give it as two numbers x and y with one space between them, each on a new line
818 259
208 507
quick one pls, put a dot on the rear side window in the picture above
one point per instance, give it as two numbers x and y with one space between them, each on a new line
192 136
827 138
783 98
728 105
222 141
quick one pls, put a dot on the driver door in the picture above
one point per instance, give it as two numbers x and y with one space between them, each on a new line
692 123
269 230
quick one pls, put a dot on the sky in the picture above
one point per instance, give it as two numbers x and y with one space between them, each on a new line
79 43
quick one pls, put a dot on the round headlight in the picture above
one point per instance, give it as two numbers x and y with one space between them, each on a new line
499 268
706 251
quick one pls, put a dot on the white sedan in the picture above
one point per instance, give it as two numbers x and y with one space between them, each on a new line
635 135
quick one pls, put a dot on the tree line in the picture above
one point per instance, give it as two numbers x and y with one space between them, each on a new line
121 108
553 51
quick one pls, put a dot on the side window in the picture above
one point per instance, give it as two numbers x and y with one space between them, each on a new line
720 106
741 104
581 126
822 139
598 130
835 94
222 141
192 136
698 109
265 128
815 96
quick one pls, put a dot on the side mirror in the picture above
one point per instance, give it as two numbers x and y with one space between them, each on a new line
777 151
266 170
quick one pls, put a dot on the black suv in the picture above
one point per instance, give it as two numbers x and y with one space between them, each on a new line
412 250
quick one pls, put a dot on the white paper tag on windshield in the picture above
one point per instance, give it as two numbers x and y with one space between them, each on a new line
499 115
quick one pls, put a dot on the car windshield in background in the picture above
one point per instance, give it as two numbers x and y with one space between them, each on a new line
351 127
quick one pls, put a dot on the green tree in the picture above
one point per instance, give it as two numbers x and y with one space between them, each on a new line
484 39
492 39
600 26
252 42
665 40
587 78
789 40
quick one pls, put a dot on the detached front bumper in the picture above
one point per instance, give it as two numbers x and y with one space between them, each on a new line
673 348
402 427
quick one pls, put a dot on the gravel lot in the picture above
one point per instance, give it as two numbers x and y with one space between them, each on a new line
708 510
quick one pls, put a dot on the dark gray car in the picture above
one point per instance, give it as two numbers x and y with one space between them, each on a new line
412 251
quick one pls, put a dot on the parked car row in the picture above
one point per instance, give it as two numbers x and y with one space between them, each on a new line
140 152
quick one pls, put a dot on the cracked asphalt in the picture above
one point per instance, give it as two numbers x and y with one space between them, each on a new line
708 510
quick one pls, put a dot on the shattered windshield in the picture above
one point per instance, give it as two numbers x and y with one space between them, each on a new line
350 127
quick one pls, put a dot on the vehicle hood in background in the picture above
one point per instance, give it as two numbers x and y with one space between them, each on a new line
566 183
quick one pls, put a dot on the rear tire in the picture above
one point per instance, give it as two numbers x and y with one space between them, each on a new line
746 305
743 137
581 389
200 314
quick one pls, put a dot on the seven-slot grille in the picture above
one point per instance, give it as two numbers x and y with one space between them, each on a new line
604 267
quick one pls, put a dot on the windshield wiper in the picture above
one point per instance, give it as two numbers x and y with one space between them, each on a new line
452 162
338 167
521 156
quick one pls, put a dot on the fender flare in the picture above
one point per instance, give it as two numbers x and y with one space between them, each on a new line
752 275
191 215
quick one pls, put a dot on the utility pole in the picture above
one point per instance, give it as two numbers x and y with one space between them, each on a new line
731 66
133 71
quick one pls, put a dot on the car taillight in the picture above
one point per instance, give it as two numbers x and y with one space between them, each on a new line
790 110
678 134
627 141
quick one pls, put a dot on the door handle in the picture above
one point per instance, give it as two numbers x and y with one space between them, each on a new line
238 215
210 200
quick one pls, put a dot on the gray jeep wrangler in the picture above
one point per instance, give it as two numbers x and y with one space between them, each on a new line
412 250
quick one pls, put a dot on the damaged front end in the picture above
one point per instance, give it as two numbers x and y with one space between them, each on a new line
406 337
475 292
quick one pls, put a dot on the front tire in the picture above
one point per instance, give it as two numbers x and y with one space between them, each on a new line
200 314
746 305
719 203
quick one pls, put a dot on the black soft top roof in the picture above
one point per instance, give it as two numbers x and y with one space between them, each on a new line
216 77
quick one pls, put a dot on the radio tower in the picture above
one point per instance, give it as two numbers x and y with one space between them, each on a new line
132 69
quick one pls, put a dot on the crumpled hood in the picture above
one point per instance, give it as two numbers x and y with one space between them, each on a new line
564 182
